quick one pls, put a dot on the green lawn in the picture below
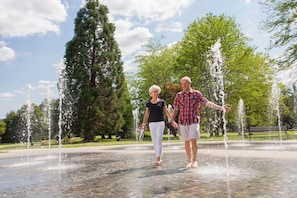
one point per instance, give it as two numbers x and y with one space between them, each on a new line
78 142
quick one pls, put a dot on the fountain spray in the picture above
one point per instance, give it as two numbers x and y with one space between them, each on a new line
29 115
61 86
49 116
215 61
241 122
274 101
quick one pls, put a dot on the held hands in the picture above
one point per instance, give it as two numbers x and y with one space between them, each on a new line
142 126
174 124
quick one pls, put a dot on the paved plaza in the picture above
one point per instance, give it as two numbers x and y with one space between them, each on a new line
248 169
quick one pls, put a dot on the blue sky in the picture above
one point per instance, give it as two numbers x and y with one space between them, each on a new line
33 34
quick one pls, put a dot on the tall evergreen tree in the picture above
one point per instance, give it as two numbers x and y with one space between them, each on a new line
94 73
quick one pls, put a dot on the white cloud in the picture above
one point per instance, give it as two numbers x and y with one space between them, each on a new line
6 53
130 65
288 76
171 27
45 84
23 18
47 89
152 10
247 1
20 92
132 18
130 38
6 96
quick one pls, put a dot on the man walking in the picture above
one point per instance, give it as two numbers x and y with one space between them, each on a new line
188 103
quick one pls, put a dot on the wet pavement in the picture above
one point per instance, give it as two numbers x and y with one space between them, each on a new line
242 170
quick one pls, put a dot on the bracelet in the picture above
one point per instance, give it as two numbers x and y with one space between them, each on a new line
143 124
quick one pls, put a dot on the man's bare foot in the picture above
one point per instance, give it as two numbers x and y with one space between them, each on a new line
190 164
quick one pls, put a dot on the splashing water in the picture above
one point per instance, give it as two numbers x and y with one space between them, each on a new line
215 61
137 130
61 87
49 116
241 119
274 101
29 115
65 107
61 96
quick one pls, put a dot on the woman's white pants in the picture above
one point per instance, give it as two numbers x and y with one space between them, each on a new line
156 130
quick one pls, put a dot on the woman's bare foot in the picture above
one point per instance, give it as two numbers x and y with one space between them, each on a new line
195 164
158 161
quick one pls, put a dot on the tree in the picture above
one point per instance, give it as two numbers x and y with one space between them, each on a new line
245 71
49 118
155 67
281 20
18 128
2 127
14 128
127 129
94 74
247 74
39 129
288 116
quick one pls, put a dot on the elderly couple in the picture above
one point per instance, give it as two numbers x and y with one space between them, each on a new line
187 103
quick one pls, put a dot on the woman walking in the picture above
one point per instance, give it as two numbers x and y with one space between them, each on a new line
154 114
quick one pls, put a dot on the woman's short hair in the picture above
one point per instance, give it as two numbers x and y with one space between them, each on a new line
154 88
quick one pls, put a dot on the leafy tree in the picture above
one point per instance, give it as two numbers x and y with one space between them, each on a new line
169 91
95 76
14 128
38 123
127 128
17 124
155 67
2 127
249 80
281 20
49 119
288 116
246 73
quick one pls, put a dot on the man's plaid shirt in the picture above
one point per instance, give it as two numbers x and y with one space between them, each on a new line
189 104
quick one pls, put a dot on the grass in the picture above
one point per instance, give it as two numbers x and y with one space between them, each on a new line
78 142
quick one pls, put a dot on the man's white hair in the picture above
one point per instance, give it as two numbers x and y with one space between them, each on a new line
154 88
187 79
